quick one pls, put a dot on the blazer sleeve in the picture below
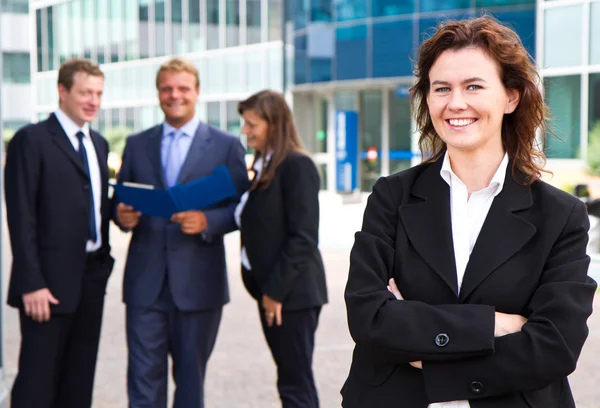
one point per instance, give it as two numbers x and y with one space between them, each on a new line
22 178
125 174
220 220
404 331
300 189
547 348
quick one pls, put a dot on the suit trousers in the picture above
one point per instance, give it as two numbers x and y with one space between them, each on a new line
57 362
292 345
157 331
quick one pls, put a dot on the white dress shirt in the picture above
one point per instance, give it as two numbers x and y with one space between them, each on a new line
468 215
71 129
258 165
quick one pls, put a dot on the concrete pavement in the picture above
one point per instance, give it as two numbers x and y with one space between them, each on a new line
241 373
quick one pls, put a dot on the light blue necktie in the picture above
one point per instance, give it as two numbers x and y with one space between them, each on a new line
174 159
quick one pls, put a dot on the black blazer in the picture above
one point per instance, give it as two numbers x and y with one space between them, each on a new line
280 231
530 258
47 205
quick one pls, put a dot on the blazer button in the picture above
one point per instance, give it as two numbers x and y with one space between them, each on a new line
442 340
477 387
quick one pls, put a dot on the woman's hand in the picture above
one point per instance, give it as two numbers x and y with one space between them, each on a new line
272 310
508 324
394 289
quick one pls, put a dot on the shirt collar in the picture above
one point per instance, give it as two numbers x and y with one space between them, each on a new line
188 129
69 126
497 180
258 165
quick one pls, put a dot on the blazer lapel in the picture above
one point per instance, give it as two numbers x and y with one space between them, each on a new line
199 144
62 141
428 224
101 154
503 233
153 150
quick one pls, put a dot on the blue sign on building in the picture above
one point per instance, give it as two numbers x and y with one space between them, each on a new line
346 151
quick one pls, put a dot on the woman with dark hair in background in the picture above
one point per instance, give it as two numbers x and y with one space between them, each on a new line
468 282
281 263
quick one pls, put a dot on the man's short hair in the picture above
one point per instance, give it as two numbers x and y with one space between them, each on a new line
67 71
178 65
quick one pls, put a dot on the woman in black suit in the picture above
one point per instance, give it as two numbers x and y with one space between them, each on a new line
281 263
486 263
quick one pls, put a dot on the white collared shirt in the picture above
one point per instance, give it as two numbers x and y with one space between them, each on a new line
468 215
258 165
71 129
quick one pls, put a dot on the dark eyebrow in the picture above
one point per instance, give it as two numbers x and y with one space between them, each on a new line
464 82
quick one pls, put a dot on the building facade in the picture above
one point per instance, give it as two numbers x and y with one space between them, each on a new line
357 56
14 46
236 45
569 55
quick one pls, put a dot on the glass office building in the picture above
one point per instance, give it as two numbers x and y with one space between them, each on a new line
14 46
236 45
569 53
357 55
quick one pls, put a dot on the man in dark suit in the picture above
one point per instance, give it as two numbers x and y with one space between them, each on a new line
58 216
175 282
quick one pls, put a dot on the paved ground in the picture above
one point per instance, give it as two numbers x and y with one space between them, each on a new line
241 373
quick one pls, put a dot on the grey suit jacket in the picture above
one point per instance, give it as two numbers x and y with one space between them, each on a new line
194 264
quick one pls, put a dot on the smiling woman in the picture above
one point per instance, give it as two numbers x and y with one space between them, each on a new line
468 281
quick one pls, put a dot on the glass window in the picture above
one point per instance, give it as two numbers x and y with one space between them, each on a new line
391 57
15 68
89 27
102 29
275 20
523 22
350 9
38 25
321 10
253 15
300 13
320 69
492 3
178 45
346 100
400 130
233 23
147 118
437 5
116 28
50 54
215 83
15 6
382 8
595 33
351 52
594 101
132 28
563 96
563 36
370 138
64 36
213 112
300 60
159 28
233 118
144 29
197 42
212 10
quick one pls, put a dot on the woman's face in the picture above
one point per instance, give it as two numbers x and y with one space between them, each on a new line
467 100
256 130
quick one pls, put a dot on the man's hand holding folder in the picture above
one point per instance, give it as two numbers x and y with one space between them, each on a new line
181 203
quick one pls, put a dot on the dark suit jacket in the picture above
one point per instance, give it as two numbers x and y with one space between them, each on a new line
530 259
195 264
47 206
280 231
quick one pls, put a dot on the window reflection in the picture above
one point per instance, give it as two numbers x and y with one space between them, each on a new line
563 96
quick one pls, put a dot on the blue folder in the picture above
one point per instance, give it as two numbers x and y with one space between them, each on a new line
197 195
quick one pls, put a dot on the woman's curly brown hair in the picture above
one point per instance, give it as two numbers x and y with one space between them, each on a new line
517 71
